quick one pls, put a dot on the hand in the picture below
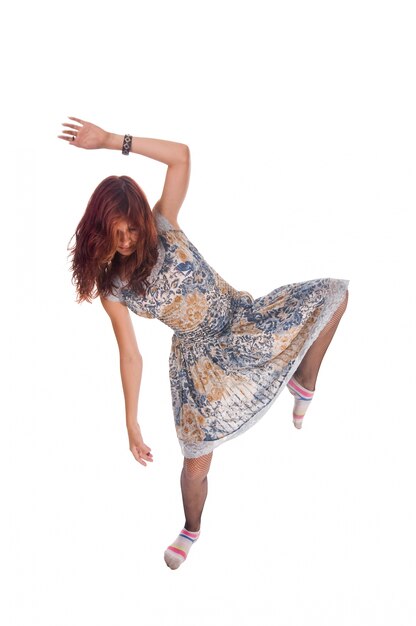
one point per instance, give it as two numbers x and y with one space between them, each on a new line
139 449
86 136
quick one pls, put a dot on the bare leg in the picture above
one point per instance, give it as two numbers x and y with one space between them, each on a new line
194 484
307 372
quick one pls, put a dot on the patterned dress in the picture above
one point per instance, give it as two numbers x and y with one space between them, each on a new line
231 355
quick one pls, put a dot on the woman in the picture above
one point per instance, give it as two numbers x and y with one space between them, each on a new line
231 354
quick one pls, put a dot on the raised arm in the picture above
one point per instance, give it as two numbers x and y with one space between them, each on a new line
131 367
176 156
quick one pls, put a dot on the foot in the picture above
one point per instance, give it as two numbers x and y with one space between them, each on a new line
303 397
177 552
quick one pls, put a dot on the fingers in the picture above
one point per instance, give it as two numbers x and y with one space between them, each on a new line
76 119
71 126
137 456
142 455
71 139
73 132
148 456
70 135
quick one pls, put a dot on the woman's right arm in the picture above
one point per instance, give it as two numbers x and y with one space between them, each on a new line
131 367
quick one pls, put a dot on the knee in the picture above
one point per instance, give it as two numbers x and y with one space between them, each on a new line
345 301
341 308
197 469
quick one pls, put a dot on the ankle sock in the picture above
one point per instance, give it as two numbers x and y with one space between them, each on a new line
177 552
303 398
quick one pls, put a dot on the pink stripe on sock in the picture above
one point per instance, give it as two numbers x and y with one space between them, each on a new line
189 533
300 389
178 551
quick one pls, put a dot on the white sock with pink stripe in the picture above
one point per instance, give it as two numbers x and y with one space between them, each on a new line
177 552
303 398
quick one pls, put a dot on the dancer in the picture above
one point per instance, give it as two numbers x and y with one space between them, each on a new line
231 354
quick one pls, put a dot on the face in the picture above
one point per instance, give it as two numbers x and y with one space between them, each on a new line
127 236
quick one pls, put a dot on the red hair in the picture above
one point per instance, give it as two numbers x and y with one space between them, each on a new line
95 260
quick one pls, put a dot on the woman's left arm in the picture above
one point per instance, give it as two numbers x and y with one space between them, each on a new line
178 159
169 152
175 155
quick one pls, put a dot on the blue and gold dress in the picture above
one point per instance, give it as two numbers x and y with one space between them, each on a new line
231 355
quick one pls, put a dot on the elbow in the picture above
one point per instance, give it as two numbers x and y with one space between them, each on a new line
185 154
131 357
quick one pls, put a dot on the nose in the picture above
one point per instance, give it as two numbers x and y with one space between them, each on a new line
124 240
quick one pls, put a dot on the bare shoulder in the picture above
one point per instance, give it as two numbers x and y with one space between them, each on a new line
168 215
113 308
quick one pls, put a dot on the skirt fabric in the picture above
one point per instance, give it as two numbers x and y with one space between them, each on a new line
231 355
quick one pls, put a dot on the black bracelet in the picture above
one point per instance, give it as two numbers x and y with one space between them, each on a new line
126 144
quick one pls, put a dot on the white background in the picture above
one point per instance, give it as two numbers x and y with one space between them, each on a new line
300 118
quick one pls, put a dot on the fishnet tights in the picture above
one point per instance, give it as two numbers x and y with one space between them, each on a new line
194 484
307 372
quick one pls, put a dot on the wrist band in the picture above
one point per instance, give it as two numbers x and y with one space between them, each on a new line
126 144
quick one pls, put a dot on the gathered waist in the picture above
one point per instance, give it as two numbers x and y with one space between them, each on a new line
203 332
211 328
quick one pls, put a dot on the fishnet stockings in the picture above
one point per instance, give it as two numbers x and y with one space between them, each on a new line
194 484
307 372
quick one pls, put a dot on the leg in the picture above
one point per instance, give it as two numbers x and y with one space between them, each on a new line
307 372
302 384
194 484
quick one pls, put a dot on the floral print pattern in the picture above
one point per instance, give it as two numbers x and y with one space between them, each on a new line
231 354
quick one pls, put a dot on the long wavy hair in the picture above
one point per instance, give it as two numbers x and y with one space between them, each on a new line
95 260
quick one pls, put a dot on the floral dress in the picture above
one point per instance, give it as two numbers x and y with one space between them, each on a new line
231 355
